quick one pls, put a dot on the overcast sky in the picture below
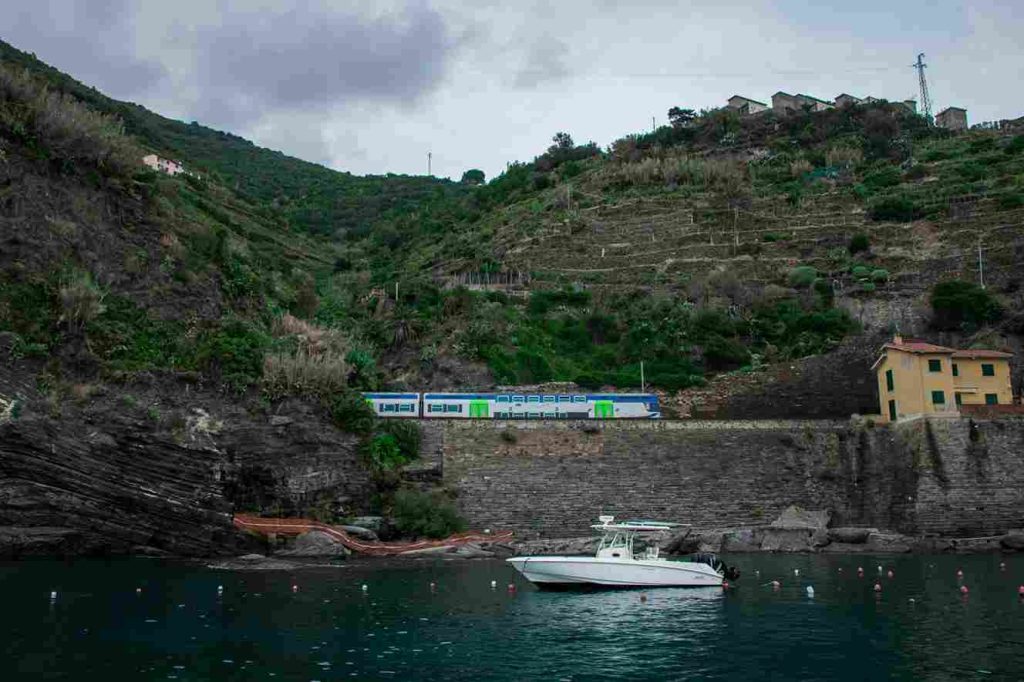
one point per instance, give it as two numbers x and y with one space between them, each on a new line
372 87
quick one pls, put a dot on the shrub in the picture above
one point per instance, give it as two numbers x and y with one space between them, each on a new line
880 275
431 514
899 209
351 412
304 373
1015 146
772 237
802 276
962 305
234 352
859 242
843 156
407 437
81 301
799 168
887 176
1010 200
867 286
385 453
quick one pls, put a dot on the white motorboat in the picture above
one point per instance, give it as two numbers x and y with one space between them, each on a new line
616 565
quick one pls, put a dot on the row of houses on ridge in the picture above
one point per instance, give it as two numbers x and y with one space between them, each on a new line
954 118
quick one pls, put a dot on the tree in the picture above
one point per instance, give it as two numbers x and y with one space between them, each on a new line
680 118
962 305
562 141
473 176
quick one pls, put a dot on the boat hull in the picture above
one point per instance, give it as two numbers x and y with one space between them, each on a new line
562 571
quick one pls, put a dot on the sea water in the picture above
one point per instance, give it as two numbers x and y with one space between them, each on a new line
145 619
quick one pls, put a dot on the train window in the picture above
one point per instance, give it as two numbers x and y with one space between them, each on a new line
435 408
380 408
579 398
533 399
563 415
549 398
518 415
533 415
453 408
503 398
406 408
549 415
518 399
565 398
501 415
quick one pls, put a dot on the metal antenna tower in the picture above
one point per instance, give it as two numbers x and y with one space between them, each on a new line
926 100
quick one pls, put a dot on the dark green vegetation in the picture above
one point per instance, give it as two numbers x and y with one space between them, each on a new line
959 305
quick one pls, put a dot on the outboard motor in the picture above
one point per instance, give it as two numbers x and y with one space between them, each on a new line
728 572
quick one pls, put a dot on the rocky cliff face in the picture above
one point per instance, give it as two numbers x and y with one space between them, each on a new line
130 469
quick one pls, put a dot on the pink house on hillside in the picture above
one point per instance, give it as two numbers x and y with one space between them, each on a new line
163 165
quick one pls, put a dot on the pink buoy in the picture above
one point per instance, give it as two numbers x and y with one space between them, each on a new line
511 587
890 573
963 590
776 584
295 588
725 584
1020 591
878 587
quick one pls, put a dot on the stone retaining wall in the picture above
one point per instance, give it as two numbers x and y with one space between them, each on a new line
552 479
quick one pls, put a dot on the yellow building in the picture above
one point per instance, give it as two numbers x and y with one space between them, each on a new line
918 378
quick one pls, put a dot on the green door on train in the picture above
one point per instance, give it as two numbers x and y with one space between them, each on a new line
479 409
603 409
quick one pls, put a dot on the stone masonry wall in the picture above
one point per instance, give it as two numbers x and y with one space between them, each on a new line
545 479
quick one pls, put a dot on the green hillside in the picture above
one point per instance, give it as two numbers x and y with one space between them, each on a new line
311 196
721 244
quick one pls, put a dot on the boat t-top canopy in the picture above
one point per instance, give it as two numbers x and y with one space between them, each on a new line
634 526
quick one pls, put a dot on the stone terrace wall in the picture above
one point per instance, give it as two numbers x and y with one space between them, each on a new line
548 479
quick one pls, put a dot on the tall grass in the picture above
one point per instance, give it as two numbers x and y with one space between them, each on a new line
677 170
63 127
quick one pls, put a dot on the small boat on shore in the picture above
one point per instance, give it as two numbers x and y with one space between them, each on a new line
617 565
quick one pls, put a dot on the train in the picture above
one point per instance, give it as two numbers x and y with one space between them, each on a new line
514 405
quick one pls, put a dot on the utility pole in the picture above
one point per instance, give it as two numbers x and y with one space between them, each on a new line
653 124
926 101
981 265
643 384
429 158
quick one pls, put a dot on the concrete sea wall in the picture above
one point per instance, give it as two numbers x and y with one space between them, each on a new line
956 477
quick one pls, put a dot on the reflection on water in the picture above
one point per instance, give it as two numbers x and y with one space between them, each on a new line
319 624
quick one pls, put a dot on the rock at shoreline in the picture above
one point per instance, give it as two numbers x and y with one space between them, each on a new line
1013 540
315 543
852 536
377 524
254 562
361 533
793 517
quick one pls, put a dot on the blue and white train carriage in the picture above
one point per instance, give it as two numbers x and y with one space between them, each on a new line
394 405
541 406
515 405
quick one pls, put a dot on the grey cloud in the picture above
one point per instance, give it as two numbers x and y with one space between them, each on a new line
545 63
93 41
312 58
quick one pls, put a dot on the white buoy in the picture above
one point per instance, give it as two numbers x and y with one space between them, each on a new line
138 590
810 592
365 588
220 589
879 569
796 571
53 596
494 584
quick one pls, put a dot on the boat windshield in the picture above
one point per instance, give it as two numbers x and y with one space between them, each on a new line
617 540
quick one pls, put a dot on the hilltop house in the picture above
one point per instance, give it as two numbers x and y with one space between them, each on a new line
918 378
952 118
163 165
783 102
745 105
